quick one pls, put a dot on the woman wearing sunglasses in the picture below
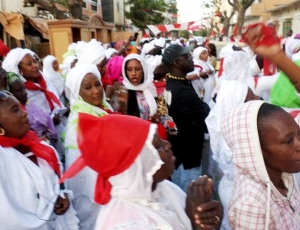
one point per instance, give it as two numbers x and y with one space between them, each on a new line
31 197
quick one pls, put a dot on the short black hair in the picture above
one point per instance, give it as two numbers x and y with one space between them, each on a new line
266 111
160 72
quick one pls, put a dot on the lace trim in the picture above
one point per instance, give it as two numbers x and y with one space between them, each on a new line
135 224
159 163
129 225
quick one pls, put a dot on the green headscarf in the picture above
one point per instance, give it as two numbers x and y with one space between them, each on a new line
11 78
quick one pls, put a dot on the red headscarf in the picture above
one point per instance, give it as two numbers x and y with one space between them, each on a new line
31 140
43 87
108 156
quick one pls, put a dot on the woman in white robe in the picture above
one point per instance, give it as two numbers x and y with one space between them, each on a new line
31 197
51 73
203 85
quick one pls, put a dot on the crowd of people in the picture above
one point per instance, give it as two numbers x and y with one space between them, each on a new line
152 136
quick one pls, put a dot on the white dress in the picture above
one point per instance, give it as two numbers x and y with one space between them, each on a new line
28 194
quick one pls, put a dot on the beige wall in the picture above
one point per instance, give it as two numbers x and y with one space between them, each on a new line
290 13
16 6
118 12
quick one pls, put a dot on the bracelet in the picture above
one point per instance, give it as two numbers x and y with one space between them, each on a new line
198 74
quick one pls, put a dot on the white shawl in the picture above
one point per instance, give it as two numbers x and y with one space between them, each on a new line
29 193
53 76
148 78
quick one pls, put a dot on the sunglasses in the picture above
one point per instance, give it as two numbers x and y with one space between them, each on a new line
4 94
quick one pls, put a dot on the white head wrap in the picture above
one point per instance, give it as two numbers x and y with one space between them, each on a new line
289 49
91 52
237 67
75 77
231 94
106 46
109 52
198 51
66 66
161 42
147 48
13 58
53 76
226 51
72 46
148 78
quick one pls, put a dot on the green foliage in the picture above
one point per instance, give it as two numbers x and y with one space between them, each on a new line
63 3
172 6
202 33
184 33
146 12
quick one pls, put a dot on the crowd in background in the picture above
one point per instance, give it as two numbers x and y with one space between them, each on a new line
152 135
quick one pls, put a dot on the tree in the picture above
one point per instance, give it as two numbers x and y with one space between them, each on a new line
73 7
224 17
146 12
240 6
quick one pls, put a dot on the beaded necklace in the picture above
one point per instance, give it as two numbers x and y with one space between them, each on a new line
176 78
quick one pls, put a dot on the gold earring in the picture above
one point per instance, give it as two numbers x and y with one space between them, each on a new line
2 132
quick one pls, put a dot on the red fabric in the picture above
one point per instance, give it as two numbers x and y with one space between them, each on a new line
255 81
268 33
221 67
269 68
3 49
22 106
107 110
294 113
43 87
162 132
106 81
108 156
198 66
160 87
235 29
32 141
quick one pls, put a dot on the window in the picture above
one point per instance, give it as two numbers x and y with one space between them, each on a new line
83 4
94 5
118 6
286 26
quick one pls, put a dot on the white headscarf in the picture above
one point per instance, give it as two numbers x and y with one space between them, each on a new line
148 78
231 94
66 66
75 77
53 76
91 52
161 42
109 52
13 58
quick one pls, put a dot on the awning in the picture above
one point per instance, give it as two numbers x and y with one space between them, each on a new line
13 24
40 25
156 29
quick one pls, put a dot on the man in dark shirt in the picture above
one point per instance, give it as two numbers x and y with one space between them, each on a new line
188 112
